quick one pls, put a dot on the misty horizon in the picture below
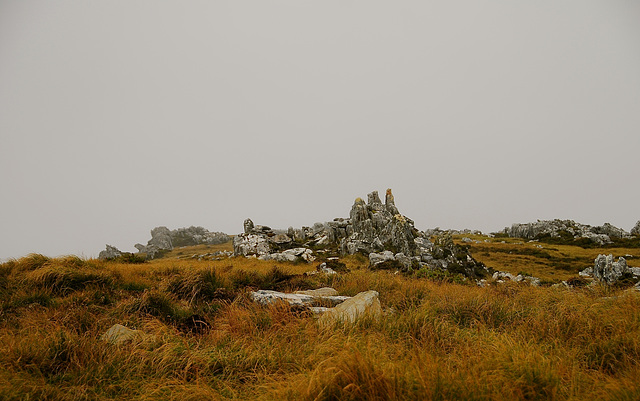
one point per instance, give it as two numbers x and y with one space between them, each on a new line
118 117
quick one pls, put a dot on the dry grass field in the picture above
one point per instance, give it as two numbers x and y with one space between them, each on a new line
204 339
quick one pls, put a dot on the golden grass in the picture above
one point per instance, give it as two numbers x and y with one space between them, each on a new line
551 262
436 341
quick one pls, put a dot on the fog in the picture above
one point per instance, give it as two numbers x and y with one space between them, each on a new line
119 116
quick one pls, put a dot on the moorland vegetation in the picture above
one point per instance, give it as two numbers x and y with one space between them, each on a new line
441 336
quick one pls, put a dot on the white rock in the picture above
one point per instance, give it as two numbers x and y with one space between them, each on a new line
266 297
320 292
365 303
118 334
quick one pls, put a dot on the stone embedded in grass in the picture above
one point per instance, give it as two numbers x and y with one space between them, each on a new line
119 334
266 297
363 304
606 270
320 292
290 255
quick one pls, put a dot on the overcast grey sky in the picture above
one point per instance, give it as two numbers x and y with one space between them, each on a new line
119 116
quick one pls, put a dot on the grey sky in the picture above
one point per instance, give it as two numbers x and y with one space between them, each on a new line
119 116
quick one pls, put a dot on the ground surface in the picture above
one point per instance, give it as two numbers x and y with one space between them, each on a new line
439 338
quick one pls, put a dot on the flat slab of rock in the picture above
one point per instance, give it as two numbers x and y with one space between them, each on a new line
320 292
266 297
364 304
118 334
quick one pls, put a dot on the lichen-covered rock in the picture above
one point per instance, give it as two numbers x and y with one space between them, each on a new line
363 304
266 297
110 253
566 230
373 229
378 227
251 244
290 255
119 334
608 271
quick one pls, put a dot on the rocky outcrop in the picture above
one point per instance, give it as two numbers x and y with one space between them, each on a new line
254 241
110 253
377 227
636 229
606 270
566 230
291 255
163 239
374 229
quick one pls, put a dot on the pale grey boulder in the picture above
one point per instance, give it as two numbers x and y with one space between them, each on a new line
110 253
251 244
266 297
608 271
161 238
119 334
600 235
377 258
348 312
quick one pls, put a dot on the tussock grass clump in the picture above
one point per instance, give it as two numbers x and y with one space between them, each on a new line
63 279
154 303
198 285
30 262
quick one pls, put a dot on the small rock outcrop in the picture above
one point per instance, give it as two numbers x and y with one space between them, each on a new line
503 276
163 239
566 230
110 253
374 229
636 229
608 271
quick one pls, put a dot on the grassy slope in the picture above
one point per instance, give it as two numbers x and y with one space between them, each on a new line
436 341
551 262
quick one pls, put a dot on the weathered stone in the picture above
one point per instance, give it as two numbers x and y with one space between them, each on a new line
290 255
363 304
320 292
299 235
281 239
377 258
567 230
390 203
118 334
161 238
323 268
266 297
110 253
405 261
608 271
251 244
374 202
248 226
636 229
